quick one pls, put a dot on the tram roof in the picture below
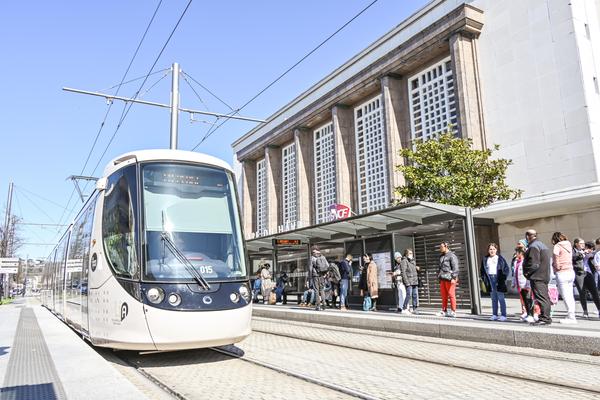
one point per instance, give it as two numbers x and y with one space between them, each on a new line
164 155
410 215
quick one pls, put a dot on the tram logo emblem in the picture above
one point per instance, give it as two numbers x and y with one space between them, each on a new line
124 311
339 211
207 300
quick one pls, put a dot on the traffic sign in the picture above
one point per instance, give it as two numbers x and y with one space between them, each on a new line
9 270
9 262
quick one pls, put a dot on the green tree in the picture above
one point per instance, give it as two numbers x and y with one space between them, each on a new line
450 171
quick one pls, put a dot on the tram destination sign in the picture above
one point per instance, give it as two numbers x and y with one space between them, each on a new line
287 242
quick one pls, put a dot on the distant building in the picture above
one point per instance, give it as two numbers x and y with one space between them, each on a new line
521 74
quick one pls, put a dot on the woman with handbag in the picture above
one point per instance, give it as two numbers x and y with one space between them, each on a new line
372 280
495 271
562 264
448 275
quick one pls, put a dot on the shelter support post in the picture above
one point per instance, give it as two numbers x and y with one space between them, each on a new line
472 262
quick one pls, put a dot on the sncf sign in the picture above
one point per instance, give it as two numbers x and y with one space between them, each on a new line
339 211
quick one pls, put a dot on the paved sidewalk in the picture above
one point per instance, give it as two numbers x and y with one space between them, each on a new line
582 338
40 357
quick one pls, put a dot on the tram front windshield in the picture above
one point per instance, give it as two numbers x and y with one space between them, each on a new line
192 207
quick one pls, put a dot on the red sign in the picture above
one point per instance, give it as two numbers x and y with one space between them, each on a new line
339 211
287 242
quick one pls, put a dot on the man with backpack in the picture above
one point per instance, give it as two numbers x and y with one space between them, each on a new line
334 278
317 271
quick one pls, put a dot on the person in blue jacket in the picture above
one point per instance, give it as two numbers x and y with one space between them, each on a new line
495 271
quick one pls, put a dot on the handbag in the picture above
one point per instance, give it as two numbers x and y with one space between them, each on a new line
445 276
367 303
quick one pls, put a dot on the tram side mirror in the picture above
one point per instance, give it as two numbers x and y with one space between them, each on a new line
101 184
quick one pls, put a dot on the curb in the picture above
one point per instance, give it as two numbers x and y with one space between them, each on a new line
562 340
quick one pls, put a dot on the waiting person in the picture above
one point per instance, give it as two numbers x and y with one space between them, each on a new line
522 286
448 275
562 264
308 297
585 280
372 279
280 288
495 271
266 283
346 276
317 270
536 268
400 289
334 277
595 262
256 288
410 277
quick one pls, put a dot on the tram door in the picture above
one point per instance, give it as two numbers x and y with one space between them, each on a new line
85 324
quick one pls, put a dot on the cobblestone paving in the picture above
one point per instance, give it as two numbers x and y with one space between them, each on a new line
206 374
394 376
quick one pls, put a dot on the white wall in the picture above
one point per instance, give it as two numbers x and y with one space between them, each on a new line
533 93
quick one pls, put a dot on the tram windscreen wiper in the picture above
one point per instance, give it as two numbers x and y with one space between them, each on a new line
189 267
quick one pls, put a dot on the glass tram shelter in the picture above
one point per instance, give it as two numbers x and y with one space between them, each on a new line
418 225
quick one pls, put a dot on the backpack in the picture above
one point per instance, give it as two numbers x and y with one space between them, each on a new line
335 275
321 265
367 303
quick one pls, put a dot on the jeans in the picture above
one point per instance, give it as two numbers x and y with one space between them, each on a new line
497 297
400 295
412 291
308 297
448 290
344 284
565 281
585 283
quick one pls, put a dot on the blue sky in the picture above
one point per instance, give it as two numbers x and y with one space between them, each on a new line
233 47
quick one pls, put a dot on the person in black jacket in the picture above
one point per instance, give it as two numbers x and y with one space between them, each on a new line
536 268
584 275
495 270
346 275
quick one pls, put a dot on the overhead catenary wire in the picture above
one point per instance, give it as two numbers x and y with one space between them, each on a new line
19 187
128 106
102 124
139 78
207 90
210 132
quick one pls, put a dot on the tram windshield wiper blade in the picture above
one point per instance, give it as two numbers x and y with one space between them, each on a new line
187 264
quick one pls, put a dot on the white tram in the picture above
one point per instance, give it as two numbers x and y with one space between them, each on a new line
155 260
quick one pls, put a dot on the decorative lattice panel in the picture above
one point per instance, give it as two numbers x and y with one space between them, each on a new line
324 172
261 197
288 174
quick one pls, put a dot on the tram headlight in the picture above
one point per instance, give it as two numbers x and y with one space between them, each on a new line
155 295
234 297
245 293
174 299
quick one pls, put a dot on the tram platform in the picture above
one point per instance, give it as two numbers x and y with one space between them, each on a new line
42 358
582 338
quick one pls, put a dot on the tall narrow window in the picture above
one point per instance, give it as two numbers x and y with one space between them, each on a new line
288 176
371 156
432 101
324 172
261 197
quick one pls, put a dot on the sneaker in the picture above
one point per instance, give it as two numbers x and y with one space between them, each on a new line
502 319
343 309
415 312
541 323
441 313
585 315
399 310
524 315
493 318
568 321
536 317
452 314
529 319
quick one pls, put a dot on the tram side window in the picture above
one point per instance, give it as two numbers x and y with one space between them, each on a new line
119 222
79 251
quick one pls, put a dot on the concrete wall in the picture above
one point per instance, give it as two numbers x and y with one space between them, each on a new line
583 224
533 93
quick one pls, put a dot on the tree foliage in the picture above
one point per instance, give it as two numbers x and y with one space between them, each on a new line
450 171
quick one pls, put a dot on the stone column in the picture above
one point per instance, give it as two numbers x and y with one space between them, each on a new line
345 156
248 197
467 83
396 119
303 138
273 175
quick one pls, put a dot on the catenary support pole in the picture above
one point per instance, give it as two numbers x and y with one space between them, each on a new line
472 262
174 105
